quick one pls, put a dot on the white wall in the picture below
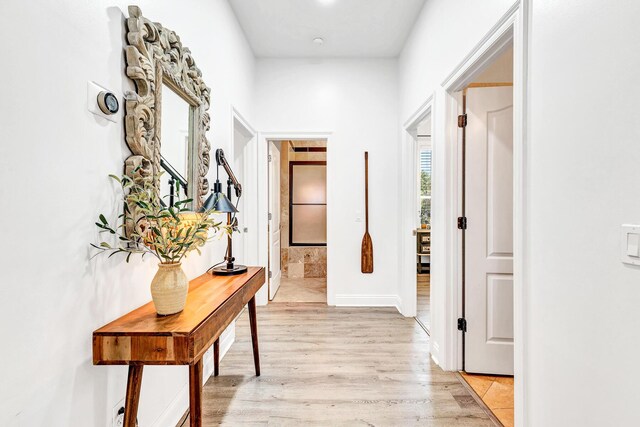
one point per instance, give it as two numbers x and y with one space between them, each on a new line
582 302
54 161
445 32
356 100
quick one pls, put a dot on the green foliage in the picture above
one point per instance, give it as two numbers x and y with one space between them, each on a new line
425 205
425 211
425 183
147 227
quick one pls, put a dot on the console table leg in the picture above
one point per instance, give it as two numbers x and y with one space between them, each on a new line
195 394
254 333
134 382
216 357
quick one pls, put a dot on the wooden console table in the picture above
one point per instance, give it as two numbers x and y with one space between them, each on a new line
142 337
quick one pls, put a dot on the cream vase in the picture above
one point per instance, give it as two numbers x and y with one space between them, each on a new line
169 289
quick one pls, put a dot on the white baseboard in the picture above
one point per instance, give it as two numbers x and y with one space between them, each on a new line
180 404
368 301
226 340
435 351
435 359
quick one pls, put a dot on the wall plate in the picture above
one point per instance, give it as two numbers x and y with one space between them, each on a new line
628 239
93 89
117 420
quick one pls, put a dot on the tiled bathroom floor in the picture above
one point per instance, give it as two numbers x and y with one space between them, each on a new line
496 392
302 290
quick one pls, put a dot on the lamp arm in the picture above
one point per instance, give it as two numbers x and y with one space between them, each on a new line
222 161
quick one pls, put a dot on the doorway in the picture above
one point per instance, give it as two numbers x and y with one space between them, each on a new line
298 220
486 136
423 223
242 136
241 155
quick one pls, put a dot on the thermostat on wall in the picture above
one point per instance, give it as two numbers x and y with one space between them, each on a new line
108 103
102 102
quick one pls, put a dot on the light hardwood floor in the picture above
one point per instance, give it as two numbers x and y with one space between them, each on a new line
329 366
423 303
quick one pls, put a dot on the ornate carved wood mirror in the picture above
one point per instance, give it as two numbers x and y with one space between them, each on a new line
166 118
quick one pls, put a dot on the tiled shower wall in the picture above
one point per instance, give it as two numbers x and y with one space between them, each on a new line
304 261
298 261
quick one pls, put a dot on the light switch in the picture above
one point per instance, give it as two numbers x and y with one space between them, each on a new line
633 244
630 242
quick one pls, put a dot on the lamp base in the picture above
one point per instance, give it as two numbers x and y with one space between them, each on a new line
224 271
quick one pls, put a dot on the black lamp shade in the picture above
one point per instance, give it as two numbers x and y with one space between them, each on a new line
218 202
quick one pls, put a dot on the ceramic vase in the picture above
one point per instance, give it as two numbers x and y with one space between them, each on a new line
169 289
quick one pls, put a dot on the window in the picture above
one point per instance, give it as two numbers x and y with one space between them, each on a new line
425 185
308 203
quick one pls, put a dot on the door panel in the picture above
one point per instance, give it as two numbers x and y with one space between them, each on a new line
500 182
489 236
274 221
499 317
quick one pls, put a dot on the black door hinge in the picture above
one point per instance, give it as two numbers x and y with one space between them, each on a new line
462 120
462 223
462 324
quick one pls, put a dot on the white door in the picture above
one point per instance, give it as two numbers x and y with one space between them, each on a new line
489 234
274 220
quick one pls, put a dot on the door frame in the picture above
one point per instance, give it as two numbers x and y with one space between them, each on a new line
262 297
270 174
409 201
250 257
512 28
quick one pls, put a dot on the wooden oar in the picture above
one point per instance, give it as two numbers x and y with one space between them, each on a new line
366 258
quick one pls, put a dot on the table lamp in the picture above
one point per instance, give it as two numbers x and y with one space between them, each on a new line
218 202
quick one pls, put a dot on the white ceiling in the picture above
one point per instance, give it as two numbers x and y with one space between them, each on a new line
350 28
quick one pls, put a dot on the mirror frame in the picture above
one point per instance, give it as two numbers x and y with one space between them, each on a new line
155 55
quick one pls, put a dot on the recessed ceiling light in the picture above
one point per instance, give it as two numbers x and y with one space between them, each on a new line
318 41
326 2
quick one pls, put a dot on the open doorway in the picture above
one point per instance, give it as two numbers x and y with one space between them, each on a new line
423 224
298 220
486 138
242 135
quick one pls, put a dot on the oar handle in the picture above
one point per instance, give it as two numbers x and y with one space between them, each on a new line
366 189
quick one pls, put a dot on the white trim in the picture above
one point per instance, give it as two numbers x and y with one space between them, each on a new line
521 158
491 39
511 28
262 297
409 203
419 115
226 341
176 409
434 350
235 114
350 300
248 240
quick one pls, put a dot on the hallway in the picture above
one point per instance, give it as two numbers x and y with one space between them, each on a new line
336 366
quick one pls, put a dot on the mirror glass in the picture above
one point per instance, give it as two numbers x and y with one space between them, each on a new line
174 146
